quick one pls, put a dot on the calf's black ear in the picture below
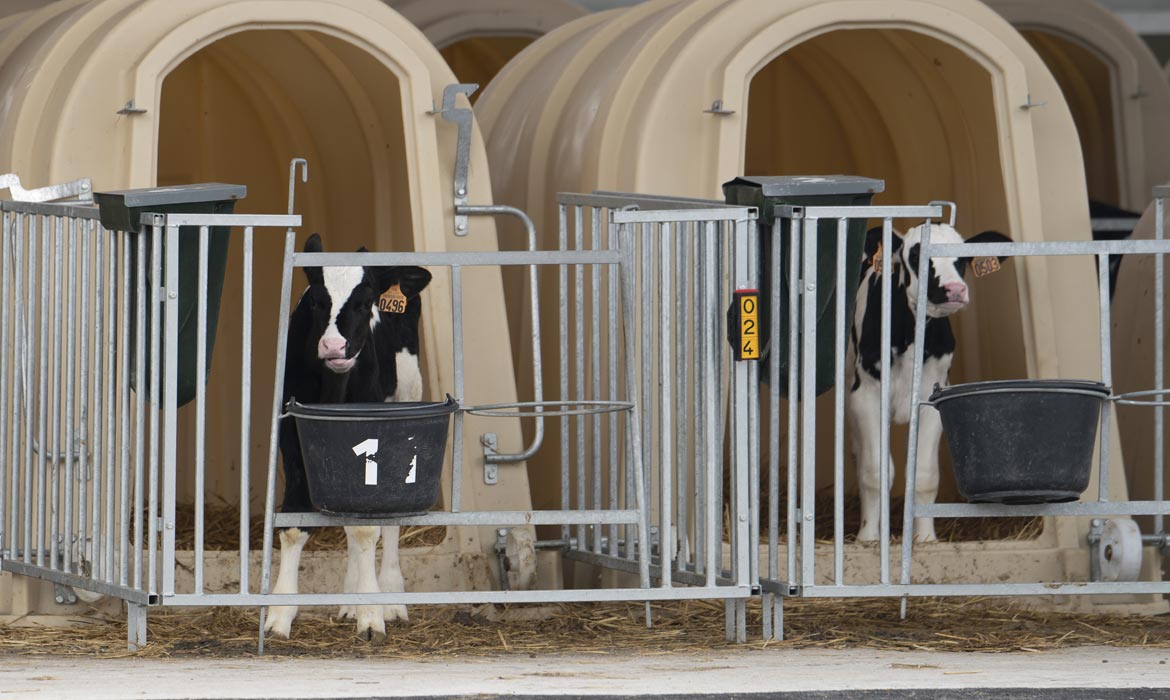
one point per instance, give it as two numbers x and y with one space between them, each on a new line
313 245
873 239
411 280
962 264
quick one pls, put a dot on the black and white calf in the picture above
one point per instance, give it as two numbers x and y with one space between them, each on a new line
946 294
342 349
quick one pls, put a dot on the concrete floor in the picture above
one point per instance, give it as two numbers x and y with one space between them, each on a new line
1089 672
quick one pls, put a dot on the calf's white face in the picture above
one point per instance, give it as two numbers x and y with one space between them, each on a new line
946 292
340 283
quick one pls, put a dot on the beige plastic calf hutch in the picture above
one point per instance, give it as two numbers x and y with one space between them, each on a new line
134 93
942 99
1113 85
478 37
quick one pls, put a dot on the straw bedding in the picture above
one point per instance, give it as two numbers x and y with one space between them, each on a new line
688 627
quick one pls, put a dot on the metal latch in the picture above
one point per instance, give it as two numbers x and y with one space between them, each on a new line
462 118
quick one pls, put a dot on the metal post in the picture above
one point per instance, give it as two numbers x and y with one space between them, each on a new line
595 421
1106 373
5 405
713 457
795 255
246 415
666 417
457 421
911 498
839 409
614 301
563 357
579 370
65 454
156 301
808 390
51 449
884 436
200 405
1159 362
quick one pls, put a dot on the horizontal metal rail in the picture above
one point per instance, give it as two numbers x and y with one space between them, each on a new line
592 595
84 212
472 518
1085 508
459 259
791 211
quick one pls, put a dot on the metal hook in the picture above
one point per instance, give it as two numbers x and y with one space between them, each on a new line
292 179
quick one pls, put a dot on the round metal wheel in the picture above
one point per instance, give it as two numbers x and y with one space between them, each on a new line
1120 552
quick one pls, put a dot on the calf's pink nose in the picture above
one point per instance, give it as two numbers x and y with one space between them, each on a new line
956 292
331 348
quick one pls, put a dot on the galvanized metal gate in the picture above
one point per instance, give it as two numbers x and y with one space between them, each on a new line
794 572
93 374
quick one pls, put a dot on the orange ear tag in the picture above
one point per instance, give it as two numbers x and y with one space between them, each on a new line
983 267
392 301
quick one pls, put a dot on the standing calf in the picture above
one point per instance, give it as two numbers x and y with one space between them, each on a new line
946 293
342 349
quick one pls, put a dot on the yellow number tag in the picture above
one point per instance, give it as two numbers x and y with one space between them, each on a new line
392 301
749 325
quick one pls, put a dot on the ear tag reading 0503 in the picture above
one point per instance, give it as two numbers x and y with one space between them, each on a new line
983 267
392 301
747 324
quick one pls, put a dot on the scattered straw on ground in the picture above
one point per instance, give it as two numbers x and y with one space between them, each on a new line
611 628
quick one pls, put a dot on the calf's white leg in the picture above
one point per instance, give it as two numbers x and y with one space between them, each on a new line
865 418
280 617
390 575
349 586
926 473
362 545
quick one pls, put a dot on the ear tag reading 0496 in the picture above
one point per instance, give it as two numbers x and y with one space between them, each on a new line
983 267
392 301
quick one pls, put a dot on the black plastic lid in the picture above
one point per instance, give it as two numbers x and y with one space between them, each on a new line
371 411
1054 385
800 185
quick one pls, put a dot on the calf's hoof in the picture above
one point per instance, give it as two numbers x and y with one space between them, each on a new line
279 622
347 612
394 613
370 626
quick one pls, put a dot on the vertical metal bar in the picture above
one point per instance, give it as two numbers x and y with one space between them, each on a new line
83 474
633 435
157 294
51 451
629 281
99 393
35 351
775 274
290 240
795 253
700 265
140 392
646 348
1106 373
884 439
124 413
19 411
457 360
579 370
246 415
746 532
753 408
682 356
613 299
595 370
200 406
111 389
666 417
808 391
711 378
1159 361
911 500
69 382
563 356
6 406
839 411
46 265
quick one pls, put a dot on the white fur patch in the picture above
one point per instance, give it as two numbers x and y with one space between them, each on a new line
340 283
409 377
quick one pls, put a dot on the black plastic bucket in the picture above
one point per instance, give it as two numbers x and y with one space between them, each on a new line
373 459
1021 441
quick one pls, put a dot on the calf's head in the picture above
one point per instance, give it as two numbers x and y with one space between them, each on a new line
946 290
343 306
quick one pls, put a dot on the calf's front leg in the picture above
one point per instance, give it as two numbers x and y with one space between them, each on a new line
390 575
362 545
